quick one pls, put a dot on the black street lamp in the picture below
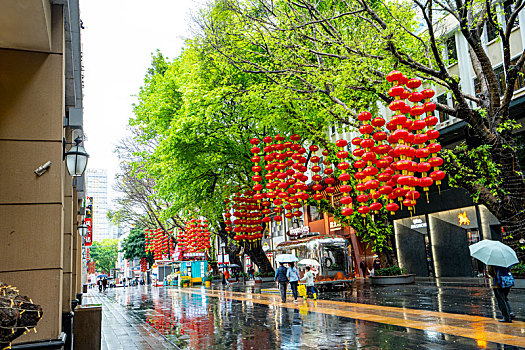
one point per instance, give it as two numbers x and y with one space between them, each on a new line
76 158
82 229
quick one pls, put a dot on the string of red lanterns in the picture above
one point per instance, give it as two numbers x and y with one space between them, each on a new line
395 169
195 237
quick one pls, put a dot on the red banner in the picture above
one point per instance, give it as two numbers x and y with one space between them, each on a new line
88 239
89 235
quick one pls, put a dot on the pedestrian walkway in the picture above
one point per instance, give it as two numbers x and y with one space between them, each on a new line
122 330
481 329
420 316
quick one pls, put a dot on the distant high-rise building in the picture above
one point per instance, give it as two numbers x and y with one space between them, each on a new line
97 188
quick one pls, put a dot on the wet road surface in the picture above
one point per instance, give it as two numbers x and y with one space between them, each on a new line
422 316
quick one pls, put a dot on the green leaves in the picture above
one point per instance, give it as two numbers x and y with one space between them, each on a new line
104 254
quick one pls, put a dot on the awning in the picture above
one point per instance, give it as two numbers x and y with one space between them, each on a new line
296 243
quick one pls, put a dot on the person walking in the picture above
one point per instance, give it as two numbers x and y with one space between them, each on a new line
502 281
99 284
376 265
309 278
282 279
293 276
104 284
363 267
226 277
251 272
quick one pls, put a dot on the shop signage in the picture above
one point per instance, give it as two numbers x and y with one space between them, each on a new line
89 222
266 246
336 199
194 255
277 240
418 223
303 230
463 219
335 226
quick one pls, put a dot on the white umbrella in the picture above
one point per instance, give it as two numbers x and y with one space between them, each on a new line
310 262
493 253
286 258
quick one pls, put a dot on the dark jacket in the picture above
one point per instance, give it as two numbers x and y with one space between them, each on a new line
280 275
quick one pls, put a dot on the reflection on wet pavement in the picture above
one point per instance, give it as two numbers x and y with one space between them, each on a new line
199 318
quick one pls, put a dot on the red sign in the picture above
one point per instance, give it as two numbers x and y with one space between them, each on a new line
89 235
89 222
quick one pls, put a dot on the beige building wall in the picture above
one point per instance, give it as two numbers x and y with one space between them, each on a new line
38 248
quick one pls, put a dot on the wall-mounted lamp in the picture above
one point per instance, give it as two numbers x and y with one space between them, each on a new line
82 229
76 158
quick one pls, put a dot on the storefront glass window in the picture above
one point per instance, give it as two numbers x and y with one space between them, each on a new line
314 214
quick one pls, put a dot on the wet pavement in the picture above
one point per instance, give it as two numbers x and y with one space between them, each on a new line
426 315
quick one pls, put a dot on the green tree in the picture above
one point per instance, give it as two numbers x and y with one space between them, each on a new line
338 53
104 254
134 246
197 111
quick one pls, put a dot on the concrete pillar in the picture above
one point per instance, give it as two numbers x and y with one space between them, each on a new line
31 206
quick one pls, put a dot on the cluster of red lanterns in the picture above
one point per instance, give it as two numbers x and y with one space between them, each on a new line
285 164
392 164
158 242
344 177
195 237
143 264
247 218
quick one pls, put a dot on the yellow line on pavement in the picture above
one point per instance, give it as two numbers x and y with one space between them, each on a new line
479 328
426 313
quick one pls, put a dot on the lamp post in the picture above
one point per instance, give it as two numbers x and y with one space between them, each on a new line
76 158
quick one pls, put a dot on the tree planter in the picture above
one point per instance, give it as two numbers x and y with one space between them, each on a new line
390 280
263 279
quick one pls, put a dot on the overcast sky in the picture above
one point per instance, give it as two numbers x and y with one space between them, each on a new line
117 43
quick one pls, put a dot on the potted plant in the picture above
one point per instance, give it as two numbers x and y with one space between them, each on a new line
392 275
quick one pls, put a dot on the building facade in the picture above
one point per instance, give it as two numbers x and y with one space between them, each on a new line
40 114
97 188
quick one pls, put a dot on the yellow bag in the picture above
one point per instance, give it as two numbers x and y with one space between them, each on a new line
301 289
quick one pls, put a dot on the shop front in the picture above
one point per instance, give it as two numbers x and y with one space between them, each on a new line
436 244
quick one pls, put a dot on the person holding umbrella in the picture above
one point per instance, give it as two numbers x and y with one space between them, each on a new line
499 258
282 279
293 277
502 281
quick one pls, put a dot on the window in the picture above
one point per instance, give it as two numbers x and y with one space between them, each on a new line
509 8
502 83
314 214
500 74
452 52
442 116
321 164
332 129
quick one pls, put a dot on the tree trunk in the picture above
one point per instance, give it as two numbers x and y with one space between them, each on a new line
259 258
387 256
256 254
